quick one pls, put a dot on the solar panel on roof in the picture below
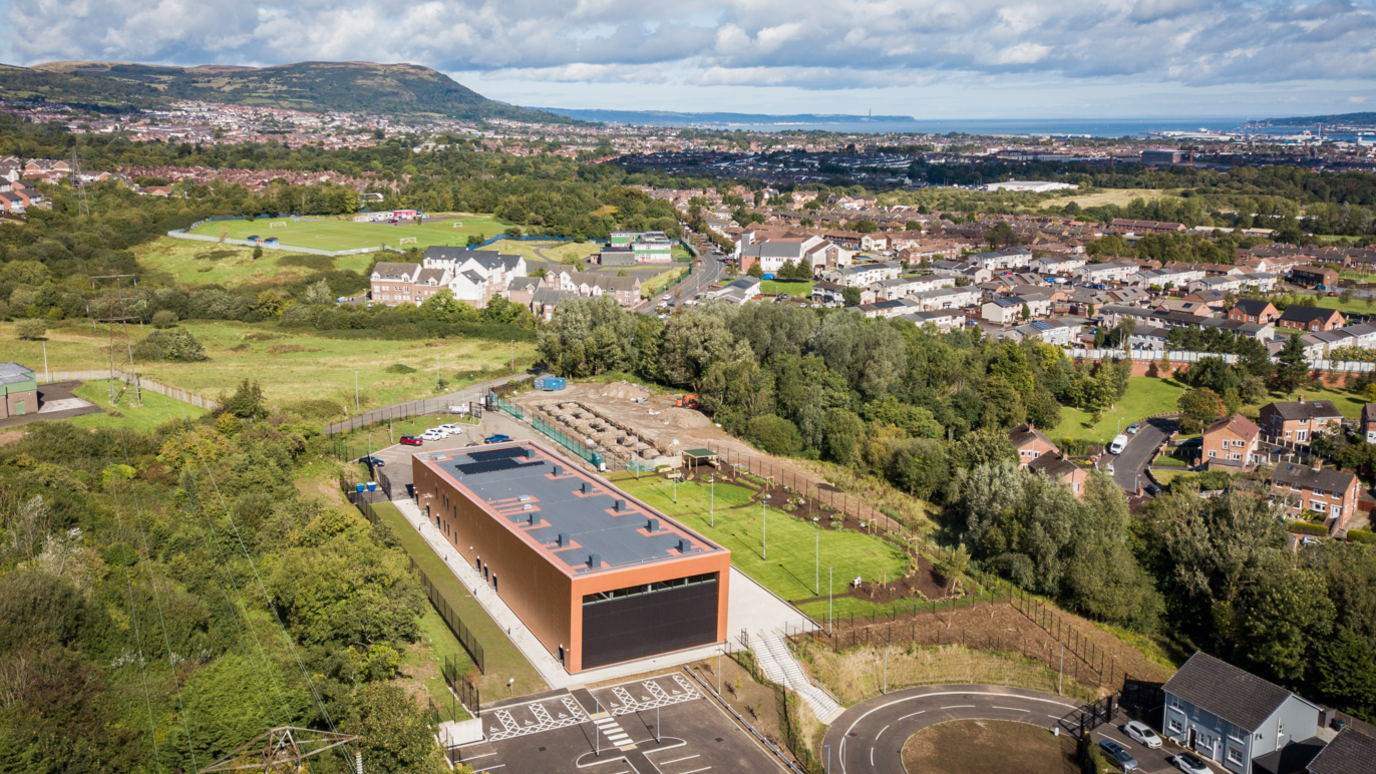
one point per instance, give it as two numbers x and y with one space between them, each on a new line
484 455
492 466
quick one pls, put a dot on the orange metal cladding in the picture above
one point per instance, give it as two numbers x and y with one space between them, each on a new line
544 592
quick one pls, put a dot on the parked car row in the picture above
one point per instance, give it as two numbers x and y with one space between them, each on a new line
1141 733
439 434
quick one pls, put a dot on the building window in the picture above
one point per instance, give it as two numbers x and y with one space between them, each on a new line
1176 726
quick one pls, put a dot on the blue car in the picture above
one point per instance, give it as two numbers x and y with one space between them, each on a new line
496 439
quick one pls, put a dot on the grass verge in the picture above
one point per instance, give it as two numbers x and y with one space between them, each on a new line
858 673
503 659
981 746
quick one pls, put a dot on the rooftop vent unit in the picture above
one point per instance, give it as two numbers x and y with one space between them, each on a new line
558 471
594 561
564 539
527 507
620 505
531 519
523 498
587 487
684 546
652 526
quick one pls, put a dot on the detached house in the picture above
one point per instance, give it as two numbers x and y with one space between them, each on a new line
1031 444
1232 717
1231 441
1298 421
1369 423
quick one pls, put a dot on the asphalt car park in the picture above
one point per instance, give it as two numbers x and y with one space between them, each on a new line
656 725
1148 761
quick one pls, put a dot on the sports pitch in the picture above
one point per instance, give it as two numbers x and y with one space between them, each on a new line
335 235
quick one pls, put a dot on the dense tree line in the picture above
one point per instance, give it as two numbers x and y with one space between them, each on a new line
134 634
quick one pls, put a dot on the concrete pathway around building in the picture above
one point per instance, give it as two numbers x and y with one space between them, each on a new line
749 606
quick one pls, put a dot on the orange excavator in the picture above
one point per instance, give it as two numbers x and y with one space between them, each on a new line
687 401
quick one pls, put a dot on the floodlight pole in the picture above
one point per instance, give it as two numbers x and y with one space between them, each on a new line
830 588
817 560
355 391
712 487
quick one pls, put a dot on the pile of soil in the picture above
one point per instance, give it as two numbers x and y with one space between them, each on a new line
686 418
625 391
923 582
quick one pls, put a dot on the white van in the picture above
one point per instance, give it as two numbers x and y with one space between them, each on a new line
1120 442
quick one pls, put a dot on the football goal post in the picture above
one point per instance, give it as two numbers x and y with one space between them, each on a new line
278 224
407 241
457 223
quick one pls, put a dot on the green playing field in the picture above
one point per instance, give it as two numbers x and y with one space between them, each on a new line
344 234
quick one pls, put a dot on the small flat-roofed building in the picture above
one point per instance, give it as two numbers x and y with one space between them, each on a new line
597 576
18 391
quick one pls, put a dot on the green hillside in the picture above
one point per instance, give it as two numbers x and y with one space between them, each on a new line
395 89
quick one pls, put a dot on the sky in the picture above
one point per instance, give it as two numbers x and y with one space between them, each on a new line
930 59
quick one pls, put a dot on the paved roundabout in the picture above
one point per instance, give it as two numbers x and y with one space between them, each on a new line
869 737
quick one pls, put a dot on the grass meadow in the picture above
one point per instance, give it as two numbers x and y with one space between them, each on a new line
789 570
183 262
290 365
154 410
345 234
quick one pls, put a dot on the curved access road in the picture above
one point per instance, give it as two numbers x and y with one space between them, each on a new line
868 738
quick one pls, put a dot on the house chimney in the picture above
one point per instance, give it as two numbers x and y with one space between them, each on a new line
1301 397
1031 427
1318 465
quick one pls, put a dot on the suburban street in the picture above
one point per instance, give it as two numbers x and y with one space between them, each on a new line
1129 467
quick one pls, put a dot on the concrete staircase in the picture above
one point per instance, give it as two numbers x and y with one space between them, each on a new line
778 664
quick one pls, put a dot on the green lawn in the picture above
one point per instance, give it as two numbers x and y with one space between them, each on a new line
183 262
289 365
1355 306
793 288
789 571
1349 404
155 409
660 281
1146 396
504 660
344 234
424 662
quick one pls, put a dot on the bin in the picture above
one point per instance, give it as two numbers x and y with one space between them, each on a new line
372 486
360 487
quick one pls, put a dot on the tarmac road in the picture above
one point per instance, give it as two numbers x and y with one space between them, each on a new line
1129 466
869 737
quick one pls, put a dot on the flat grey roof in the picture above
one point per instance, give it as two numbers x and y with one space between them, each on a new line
517 482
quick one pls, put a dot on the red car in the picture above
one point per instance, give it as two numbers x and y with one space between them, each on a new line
410 440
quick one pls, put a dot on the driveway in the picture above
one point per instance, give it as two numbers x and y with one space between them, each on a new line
1129 467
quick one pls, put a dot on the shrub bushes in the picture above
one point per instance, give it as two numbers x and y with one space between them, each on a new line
176 344
775 435
1306 528
1362 536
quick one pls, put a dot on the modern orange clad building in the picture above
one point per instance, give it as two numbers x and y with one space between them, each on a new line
597 576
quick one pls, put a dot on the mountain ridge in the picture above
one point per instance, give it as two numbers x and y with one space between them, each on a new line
314 86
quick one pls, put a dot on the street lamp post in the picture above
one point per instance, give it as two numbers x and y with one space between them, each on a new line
712 488
816 559
829 593
355 391
764 522
828 757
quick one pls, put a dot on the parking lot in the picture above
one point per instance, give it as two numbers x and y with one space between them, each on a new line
396 459
657 725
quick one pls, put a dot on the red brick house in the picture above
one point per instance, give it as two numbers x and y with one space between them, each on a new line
1310 318
1230 441
1332 493
1031 443
1248 310
1063 470
1296 422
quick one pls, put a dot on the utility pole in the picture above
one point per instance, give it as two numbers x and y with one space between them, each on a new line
80 184
764 522
123 319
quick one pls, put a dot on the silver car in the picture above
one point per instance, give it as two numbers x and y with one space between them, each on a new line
1142 734
1190 764
1116 753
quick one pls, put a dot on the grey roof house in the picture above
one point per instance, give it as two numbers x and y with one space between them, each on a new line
1232 717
